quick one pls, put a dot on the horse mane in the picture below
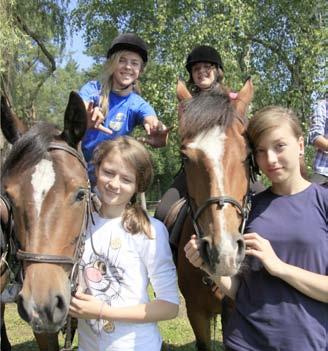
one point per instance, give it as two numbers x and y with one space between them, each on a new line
206 110
30 148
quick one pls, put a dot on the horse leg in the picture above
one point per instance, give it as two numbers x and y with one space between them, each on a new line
47 342
227 305
201 324
5 344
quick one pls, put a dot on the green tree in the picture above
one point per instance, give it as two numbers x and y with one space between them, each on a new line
53 95
34 35
279 43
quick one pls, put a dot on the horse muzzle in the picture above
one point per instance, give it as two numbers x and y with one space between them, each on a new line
44 303
225 258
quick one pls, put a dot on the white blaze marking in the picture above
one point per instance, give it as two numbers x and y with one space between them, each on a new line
212 144
43 179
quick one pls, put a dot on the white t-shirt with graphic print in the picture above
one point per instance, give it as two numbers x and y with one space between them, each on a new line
117 267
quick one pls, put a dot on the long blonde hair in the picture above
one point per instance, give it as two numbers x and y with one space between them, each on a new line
134 218
269 118
106 80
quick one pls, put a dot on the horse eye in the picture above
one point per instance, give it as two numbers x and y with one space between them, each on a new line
80 195
8 198
184 157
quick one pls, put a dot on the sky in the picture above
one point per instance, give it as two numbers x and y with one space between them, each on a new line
76 46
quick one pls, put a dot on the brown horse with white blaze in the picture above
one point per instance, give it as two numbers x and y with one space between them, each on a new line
215 158
45 180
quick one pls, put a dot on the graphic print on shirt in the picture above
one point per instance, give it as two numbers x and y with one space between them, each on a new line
117 122
103 279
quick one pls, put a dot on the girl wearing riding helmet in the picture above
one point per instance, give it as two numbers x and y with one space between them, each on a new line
113 102
205 68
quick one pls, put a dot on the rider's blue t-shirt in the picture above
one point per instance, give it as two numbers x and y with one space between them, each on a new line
125 112
270 314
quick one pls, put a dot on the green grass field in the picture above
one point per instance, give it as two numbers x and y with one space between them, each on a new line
177 333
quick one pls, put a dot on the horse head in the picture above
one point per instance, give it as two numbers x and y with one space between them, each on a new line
215 157
45 179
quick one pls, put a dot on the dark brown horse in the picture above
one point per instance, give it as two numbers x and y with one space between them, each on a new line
215 154
45 180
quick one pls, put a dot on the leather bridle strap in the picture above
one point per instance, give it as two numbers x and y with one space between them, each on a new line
44 258
70 150
220 201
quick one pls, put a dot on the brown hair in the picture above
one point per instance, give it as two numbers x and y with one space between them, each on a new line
135 218
271 117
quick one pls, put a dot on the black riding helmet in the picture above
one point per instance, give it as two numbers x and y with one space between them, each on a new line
129 41
203 53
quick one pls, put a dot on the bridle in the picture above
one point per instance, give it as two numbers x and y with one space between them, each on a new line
220 201
74 261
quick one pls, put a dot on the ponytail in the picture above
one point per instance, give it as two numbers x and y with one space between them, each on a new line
135 219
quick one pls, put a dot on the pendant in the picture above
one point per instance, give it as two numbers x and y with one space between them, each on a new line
108 326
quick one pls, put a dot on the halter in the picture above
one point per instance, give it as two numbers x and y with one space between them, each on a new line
61 259
221 201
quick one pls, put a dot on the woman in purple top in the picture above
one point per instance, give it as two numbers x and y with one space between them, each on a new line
281 293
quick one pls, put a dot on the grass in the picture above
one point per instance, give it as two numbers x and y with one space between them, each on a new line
177 333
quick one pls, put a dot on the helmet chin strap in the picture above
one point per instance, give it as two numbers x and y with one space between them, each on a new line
124 88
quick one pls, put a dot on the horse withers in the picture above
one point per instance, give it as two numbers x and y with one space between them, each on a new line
45 180
215 160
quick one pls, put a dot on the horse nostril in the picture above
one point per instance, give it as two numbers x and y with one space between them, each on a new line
22 310
59 309
241 248
210 254
60 302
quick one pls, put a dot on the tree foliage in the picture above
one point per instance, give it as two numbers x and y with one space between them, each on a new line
53 96
35 34
281 44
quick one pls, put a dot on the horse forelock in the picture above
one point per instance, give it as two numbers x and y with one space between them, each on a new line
205 111
30 148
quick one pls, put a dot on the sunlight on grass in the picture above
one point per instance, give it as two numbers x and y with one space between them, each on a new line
177 333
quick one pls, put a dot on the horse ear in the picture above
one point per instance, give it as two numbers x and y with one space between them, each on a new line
182 91
244 98
75 122
12 127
